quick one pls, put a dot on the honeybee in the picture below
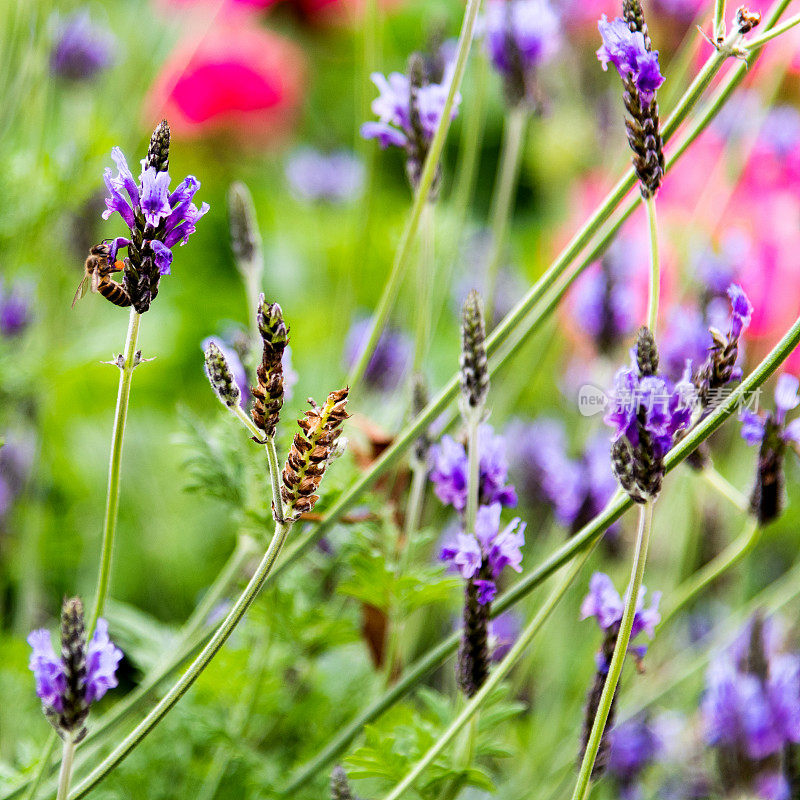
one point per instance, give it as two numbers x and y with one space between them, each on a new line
98 276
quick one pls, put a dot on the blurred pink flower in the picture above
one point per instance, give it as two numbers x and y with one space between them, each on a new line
216 7
240 79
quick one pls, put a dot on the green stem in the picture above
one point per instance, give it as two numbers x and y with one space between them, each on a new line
420 198
759 41
497 675
725 488
620 651
243 603
719 19
505 188
67 755
426 276
728 558
275 480
416 494
655 270
272 459
470 146
112 497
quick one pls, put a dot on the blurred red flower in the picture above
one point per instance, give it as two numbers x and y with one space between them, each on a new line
339 11
234 78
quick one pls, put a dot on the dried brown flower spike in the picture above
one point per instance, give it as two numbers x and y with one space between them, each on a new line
311 451
268 393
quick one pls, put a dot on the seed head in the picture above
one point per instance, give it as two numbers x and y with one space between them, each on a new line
269 391
158 151
245 236
311 453
646 352
340 786
474 371
73 655
221 376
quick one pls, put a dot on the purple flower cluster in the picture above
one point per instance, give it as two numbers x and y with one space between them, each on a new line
449 471
665 408
325 177
15 309
165 218
751 711
390 359
576 489
633 746
397 125
773 435
628 52
81 49
520 35
756 427
604 302
490 547
102 658
605 604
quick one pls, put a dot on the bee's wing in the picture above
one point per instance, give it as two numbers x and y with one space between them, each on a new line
83 286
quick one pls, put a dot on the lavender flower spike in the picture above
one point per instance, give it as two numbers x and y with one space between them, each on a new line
647 413
449 469
751 716
520 35
626 45
69 684
773 435
409 108
157 218
81 49
480 559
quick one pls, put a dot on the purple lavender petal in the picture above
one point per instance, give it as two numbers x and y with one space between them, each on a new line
162 256
741 310
102 659
155 196
386 135
319 177
752 427
503 632
506 548
487 591
48 670
603 602
487 524
468 556
785 396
